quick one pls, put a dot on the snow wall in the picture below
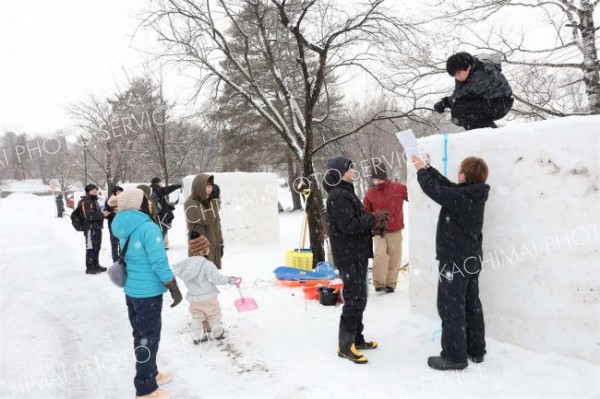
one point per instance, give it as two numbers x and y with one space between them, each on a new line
541 239
248 210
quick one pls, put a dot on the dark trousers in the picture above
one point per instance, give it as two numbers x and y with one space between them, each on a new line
114 245
144 316
93 242
355 281
478 113
459 307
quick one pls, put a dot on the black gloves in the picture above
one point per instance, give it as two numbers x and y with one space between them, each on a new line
441 106
175 293
380 216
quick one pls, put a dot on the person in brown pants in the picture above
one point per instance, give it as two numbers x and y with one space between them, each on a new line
389 196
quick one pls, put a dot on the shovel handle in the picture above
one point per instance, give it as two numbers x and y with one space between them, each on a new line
240 290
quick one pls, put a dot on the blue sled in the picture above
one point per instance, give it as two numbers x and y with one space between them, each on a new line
324 271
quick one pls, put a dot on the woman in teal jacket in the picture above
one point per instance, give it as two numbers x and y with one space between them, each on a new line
148 278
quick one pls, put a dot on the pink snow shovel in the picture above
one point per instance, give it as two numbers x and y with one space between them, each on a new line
244 304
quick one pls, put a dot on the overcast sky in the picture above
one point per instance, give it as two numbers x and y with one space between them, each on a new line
57 52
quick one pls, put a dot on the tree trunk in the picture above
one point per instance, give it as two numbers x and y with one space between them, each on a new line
314 205
293 174
591 68
315 211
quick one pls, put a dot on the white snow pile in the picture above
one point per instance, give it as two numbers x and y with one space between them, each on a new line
540 287
248 209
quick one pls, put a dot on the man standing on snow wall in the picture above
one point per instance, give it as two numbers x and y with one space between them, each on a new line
350 235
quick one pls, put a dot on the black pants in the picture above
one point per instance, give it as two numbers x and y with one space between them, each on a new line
93 242
114 245
478 113
355 281
145 319
459 307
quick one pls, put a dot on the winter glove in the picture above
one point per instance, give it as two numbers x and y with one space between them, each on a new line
439 107
380 216
175 293
235 280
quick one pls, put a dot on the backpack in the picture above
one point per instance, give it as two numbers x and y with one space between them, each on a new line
491 58
77 218
156 200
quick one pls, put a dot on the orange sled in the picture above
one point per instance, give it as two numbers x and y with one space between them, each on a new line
302 283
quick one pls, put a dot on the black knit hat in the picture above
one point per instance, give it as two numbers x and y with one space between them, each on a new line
155 180
340 164
90 187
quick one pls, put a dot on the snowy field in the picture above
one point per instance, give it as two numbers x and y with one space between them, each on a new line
64 334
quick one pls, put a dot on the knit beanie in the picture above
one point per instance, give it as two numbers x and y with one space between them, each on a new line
199 246
130 199
340 164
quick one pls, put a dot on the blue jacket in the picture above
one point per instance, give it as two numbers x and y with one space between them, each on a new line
147 263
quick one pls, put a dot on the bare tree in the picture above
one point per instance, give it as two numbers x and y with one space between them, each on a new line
101 140
544 77
195 34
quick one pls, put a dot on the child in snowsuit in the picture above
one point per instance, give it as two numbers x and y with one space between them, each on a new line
481 94
459 252
350 235
201 276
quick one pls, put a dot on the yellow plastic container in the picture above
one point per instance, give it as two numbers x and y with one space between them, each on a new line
299 258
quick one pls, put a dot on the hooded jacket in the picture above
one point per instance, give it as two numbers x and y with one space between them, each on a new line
146 259
349 225
200 277
202 216
460 223
484 81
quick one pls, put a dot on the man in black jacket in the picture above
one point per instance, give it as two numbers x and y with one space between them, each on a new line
481 93
352 245
459 252
93 225
165 209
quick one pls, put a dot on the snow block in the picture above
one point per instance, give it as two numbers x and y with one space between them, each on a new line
541 240
248 210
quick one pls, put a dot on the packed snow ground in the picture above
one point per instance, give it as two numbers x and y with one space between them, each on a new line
64 334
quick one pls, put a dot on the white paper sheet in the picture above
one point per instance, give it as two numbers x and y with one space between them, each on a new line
411 145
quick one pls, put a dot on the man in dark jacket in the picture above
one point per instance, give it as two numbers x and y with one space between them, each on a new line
165 209
459 252
481 93
350 236
93 224
60 205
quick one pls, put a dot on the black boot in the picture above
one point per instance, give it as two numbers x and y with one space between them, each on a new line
475 359
348 350
389 289
100 268
92 270
366 344
439 363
